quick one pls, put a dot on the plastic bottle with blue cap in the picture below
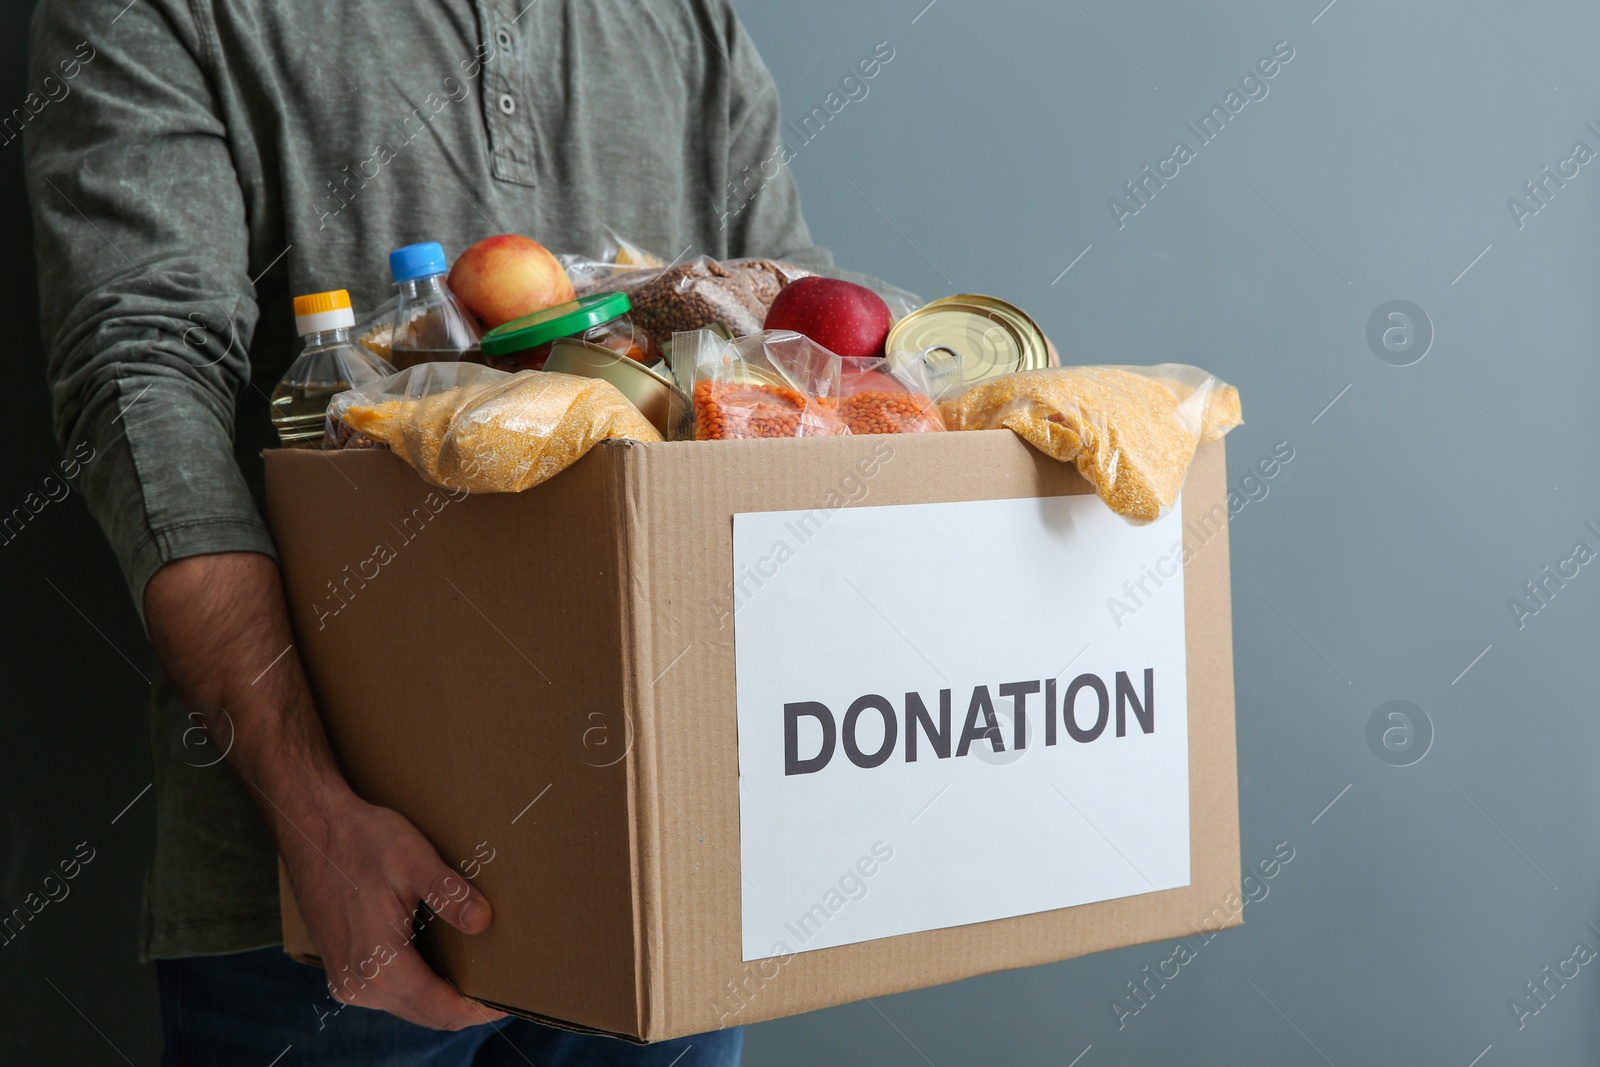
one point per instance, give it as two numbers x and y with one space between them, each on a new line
431 326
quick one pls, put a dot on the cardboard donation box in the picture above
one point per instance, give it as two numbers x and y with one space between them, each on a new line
728 731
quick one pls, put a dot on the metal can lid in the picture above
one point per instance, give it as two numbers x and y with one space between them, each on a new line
1024 321
990 336
646 388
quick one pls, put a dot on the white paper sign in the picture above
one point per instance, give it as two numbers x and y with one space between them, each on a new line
863 812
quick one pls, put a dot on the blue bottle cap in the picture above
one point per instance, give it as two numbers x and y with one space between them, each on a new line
417 261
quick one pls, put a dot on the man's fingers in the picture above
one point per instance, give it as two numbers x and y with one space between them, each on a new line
368 940
455 900
405 987
480 1013
422 997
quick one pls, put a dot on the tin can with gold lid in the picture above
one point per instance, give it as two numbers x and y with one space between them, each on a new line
990 336
647 388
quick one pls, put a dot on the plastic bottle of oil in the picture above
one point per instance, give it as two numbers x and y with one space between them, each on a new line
330 364
430 324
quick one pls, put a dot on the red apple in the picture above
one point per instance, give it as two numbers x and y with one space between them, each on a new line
843 317
506 276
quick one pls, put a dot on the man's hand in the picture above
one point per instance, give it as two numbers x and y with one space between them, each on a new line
359 874
367 881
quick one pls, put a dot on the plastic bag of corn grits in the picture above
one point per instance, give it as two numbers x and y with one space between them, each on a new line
468 427
1132 431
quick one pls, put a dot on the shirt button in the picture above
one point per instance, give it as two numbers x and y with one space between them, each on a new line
507 104
503 39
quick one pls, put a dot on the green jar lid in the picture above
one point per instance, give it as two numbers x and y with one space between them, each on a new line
563 320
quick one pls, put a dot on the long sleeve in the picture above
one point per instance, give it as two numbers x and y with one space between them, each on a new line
147 308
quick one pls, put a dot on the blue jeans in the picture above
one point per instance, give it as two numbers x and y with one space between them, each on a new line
250 1007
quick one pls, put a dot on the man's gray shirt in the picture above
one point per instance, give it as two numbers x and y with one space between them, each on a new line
210 159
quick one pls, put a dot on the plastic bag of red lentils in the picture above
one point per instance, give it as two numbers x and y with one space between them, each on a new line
888 395
769 384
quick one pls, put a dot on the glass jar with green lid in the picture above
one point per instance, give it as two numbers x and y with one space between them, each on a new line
599 318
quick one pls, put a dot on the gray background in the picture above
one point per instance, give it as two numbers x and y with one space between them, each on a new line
1377 567
1380 562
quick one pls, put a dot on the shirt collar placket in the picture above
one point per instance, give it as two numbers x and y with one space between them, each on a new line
507 109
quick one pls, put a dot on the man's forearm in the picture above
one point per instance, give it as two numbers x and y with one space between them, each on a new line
220 626
358 870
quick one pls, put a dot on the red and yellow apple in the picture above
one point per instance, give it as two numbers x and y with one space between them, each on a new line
507 276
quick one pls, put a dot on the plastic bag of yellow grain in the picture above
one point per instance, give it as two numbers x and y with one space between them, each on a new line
1132 431
474 428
